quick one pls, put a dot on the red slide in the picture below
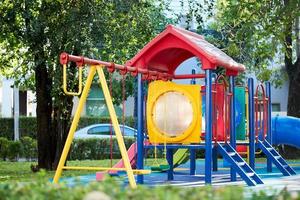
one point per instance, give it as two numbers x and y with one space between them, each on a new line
132 152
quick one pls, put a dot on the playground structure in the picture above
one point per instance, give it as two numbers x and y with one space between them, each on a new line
174 112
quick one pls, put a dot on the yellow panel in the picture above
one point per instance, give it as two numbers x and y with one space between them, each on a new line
173 113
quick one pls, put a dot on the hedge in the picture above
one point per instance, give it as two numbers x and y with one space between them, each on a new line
25 148
113 190
97 149
28 125
81 149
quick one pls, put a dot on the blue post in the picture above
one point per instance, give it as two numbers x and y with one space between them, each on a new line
208 126
140 127
192 161
170 162
251 124
269 133
232 123
215 158
193 151
193 80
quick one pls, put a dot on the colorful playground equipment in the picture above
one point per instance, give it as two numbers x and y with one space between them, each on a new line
235 116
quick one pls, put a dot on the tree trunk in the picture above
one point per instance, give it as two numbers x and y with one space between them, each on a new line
62 110
44 110
61 125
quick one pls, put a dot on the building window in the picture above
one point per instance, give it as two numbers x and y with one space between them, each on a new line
276 107
95 103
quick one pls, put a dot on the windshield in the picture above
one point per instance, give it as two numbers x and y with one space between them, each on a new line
105 130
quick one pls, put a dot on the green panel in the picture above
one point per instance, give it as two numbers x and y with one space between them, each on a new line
240 114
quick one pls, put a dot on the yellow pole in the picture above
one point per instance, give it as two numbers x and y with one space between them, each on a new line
74 124
65 81
116 126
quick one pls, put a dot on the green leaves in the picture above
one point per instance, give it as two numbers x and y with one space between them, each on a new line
257 31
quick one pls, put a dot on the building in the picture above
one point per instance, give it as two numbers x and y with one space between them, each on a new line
27 105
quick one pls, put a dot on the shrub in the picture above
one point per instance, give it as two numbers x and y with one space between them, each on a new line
29 148
14 150
4 142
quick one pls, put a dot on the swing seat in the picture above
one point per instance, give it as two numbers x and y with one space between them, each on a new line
160 168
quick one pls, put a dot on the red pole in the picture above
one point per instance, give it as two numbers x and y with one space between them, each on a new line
65 58
188 76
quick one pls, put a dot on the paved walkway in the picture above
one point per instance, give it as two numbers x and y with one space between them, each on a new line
274 181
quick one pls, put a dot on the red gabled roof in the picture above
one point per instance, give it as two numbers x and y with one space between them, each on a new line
174 45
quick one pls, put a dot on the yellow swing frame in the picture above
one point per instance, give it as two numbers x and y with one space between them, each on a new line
61 165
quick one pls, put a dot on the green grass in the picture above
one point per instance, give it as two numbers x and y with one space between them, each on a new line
21 171
17 181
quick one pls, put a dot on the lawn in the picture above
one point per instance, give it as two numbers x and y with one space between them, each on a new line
21 171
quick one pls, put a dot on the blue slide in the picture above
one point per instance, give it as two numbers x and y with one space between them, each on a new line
286 130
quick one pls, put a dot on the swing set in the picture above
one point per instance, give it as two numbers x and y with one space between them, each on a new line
95 66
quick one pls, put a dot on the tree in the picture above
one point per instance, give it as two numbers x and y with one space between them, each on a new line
34 33
261 33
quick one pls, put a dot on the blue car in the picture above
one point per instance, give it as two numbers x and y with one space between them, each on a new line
103 131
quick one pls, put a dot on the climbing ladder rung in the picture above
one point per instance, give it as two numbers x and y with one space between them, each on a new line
250 174
231 154
241 164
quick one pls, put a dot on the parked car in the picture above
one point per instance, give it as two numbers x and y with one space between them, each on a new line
103 131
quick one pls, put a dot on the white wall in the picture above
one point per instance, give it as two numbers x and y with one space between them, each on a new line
186 67
280 95
7 97
31 104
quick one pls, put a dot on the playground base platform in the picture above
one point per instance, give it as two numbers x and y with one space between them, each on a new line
273 181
